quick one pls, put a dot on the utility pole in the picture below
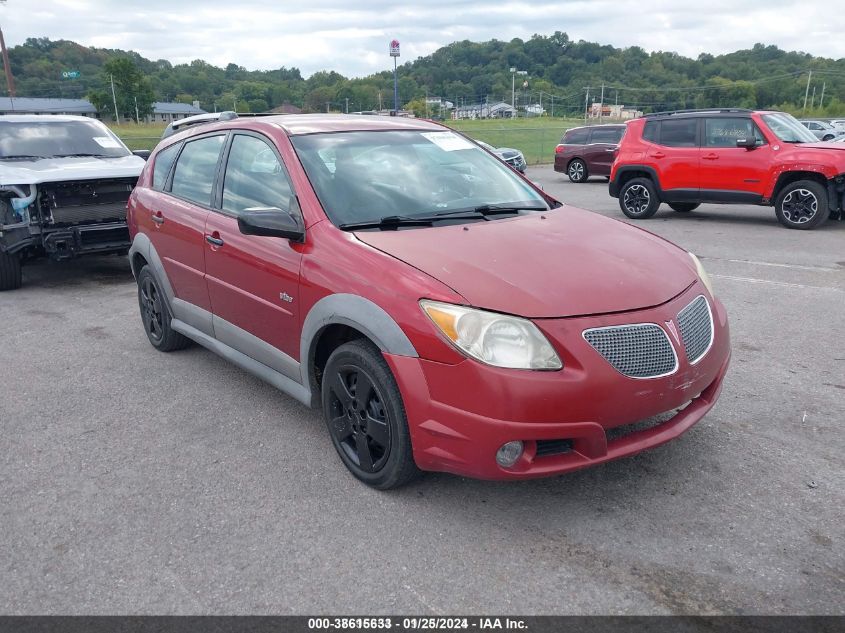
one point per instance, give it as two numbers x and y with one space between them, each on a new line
327 107
114 100
807 90
10 80
813 98
347 105
553 106
821 100
601 102
586 104
137 116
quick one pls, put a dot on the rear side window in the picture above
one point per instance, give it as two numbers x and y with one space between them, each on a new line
606 135
163 162
651 131
678 132
193 176
576 137
254 177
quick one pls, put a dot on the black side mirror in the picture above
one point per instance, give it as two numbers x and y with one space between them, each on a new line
143 153
272 222
747 143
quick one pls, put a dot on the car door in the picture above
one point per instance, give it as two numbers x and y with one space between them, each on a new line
675 157
178 215
730 173
601 151
253 281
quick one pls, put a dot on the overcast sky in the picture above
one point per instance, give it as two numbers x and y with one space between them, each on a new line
351 36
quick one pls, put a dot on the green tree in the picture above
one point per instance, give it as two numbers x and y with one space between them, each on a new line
131 90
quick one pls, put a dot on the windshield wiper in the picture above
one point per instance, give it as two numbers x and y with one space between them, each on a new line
81 155
21 157
387 222
491 209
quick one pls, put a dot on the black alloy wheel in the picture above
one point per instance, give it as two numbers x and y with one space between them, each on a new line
155 314
638 199
359 422
802 205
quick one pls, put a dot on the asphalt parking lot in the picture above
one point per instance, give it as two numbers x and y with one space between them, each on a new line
139 482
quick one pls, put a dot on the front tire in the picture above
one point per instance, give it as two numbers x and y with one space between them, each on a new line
638 199
683 207
802 205
10 271
155 314
577 171
365 415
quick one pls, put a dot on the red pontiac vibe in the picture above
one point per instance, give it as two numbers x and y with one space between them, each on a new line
444 312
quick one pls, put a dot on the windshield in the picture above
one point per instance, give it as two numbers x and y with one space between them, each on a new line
787 128
365 176
51 138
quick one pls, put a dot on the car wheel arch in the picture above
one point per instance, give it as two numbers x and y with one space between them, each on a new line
786 178
629 172
339 318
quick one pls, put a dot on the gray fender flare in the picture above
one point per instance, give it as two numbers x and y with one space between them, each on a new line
356 312
141 245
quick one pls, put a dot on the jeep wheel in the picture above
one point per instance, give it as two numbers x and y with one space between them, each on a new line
577 171
155 315
802 205
638 199
365 415
10 271
683 207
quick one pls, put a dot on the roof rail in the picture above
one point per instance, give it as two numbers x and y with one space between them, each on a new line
197 119
699 111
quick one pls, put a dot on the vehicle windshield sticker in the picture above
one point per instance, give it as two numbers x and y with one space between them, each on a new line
106 141
448 141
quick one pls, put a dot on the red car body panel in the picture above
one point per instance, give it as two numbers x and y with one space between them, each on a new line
567 270
484 263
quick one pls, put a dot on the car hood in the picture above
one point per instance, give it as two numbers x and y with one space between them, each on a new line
507 152
33 172
565 262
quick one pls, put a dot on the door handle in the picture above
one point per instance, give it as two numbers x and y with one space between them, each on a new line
158 218
710 156
216 241
612 149
658 155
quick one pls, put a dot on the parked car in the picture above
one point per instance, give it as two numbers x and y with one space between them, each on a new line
839 124
509 155
64 183
728 156
588 151
822 130
445 313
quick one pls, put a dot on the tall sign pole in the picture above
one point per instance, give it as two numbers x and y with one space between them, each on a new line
394 53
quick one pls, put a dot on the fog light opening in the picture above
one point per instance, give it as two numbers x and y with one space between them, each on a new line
508 454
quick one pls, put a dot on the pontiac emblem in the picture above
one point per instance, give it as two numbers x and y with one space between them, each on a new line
670 325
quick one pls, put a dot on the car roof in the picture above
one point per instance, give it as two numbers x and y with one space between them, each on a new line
592 127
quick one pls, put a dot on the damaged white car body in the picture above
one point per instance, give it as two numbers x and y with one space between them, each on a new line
64 184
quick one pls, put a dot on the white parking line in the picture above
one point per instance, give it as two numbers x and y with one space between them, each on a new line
824 269
753 280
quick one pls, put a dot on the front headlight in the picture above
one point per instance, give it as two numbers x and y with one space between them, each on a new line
702 274
492 338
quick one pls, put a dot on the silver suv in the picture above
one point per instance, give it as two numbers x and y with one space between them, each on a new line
822 130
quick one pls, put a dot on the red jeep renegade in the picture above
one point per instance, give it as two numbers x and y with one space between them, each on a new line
688 157
444 312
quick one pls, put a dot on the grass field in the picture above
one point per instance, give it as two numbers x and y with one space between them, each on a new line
535 137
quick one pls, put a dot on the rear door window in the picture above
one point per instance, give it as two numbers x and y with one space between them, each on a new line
576 137
196 167
606 135
163 162
679 132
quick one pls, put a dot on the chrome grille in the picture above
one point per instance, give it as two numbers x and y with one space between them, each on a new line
696 325
637 351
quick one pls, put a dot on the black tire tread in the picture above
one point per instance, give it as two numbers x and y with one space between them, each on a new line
10 271
654 201
821 195
171 341
684 207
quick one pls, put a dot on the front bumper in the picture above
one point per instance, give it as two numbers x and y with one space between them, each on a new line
459 415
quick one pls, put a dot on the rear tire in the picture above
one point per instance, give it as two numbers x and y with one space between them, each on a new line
577 171
638 199
155 314
802 205
10 271
365 416
683 207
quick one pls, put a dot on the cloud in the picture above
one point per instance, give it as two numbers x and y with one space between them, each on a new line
352 37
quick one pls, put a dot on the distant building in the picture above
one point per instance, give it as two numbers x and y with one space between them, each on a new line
286 108
166 112
613 112
499 110
33 105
